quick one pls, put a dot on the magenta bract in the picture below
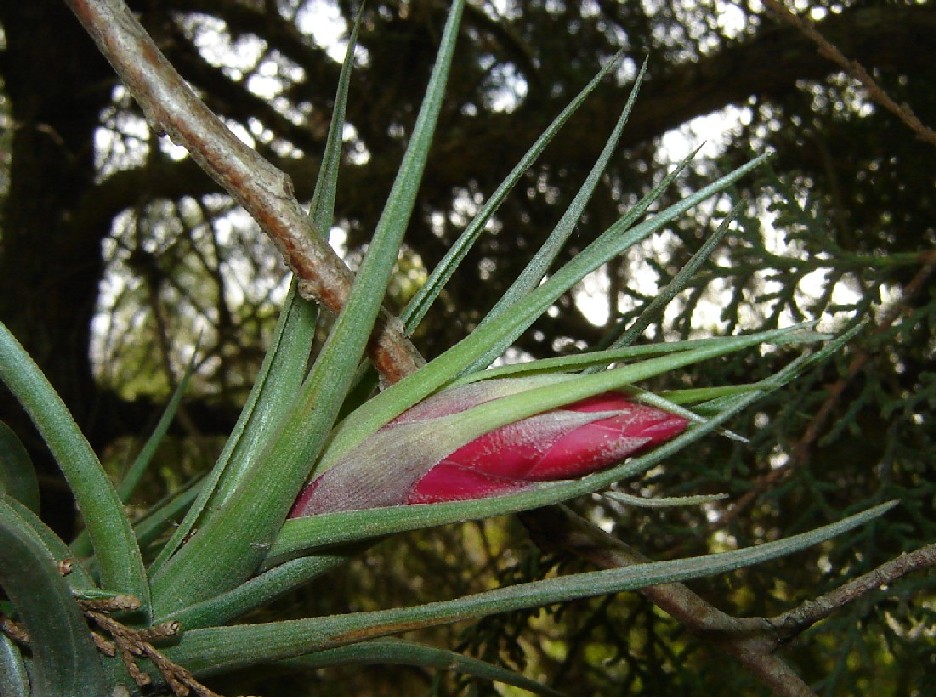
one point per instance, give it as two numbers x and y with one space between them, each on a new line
566 443
547 447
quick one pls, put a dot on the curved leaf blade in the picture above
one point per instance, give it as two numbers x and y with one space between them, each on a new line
260 589
539 265
102 510
14 680
78 578
489 340
235 539
17 474
65 661
410 653
419 305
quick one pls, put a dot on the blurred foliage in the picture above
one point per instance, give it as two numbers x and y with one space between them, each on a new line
143 257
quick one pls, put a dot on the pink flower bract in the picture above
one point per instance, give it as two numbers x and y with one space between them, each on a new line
406 461
547 447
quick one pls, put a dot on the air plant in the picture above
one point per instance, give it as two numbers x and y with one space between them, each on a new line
313 471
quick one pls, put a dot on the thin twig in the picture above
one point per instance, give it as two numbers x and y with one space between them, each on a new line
855 69
114 603
263 190
130 644
800 618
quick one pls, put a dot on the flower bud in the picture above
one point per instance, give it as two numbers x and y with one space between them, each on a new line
412 460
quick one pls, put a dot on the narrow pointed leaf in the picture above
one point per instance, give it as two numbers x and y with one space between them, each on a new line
208 651
286 361
101 508
235 539
261 589
664 501
490 340
591 359
136 471
409 653
619 237
81 545
78 579
14 679
64 660
417 307
17 474
164 513
539 265
675 286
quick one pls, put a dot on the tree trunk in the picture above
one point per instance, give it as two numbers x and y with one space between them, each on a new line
57 84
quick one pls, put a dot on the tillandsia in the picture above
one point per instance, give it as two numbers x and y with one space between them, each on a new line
421 457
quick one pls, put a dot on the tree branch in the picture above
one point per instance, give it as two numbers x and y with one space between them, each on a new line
749 641
263 190
854 68
767 64
792 622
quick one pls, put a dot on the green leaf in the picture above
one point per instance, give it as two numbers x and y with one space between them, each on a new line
675 286
81 545
17 474
619 237
261 589
322 208
234 539
78 579
539 265
663 502
419 305
592 359
102 510
491 339
285 364
165 512
64 660
136 471
410 653
283 368
14 680
208 651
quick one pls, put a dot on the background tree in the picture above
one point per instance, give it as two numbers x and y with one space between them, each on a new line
117 252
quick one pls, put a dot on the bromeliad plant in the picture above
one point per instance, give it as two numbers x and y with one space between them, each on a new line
321 462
